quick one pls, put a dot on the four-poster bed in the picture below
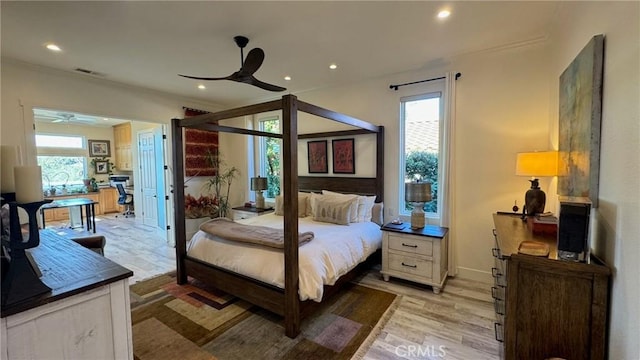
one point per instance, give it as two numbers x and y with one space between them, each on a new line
282 301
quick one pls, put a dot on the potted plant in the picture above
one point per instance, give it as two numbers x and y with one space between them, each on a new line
219 185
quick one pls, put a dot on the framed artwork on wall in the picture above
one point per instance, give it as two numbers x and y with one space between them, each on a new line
102 167
579 123
317 157
99 148
343 156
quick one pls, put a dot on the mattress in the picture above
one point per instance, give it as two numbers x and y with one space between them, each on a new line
334 251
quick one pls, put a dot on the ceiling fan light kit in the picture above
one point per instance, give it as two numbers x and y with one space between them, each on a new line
248 67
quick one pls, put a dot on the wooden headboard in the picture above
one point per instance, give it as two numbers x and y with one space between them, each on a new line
350 185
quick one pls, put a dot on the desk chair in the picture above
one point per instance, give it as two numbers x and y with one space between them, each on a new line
125 199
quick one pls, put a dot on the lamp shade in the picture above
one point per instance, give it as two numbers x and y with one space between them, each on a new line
258 184
417 191
542 163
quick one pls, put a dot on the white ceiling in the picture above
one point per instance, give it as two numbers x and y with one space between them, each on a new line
147 43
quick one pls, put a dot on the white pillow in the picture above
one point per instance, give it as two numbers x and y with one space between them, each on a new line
355 211
332 210
364 206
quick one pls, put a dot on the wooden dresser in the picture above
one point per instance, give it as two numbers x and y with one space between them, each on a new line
546 307
86 315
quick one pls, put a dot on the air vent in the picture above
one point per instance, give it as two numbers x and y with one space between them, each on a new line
89 72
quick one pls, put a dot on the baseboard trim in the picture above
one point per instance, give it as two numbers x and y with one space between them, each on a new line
474 274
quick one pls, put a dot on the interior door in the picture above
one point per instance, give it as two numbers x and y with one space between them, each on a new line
148 183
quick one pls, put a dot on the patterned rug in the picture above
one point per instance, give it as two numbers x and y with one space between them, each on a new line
195 321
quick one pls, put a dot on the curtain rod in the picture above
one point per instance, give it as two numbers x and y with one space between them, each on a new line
395 87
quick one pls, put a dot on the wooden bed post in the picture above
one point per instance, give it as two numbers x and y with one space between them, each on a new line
290 171
380 164
178 200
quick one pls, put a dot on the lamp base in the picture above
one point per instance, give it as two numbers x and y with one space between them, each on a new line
417 216
259 200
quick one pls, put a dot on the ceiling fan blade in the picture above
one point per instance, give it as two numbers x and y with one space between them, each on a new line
252 62
263 85
207 78
57 121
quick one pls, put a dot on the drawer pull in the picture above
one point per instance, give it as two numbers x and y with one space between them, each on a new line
495 329
411 246
495 272
493 292
411 266
496 307
495 234
496 253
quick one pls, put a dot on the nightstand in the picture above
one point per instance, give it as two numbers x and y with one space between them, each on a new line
418 255
243 212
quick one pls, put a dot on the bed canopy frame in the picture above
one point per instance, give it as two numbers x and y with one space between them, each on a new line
285 302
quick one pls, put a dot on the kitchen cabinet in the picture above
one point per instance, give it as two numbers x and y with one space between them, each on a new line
109 200
122 143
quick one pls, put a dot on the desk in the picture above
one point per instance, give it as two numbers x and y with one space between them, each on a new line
89 206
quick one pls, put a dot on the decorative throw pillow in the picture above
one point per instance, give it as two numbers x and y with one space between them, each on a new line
302 205
354 206
333 210
377 213
364 205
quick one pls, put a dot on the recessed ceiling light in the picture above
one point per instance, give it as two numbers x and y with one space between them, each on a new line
444 14
53 47
105 119
333 66
287 78
201 87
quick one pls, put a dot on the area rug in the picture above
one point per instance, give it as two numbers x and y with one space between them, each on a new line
194 321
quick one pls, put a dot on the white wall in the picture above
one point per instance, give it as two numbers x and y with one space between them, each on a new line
616 236
25 87
502 108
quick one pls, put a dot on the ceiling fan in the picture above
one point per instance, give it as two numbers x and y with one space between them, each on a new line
248 67
67 118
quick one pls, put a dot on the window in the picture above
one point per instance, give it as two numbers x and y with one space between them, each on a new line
269 155
62 159
421 120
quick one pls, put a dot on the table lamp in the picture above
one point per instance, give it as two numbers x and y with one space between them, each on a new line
417 193
258 184
536 164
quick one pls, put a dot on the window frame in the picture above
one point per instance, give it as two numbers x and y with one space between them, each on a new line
434 91
261 151
65 151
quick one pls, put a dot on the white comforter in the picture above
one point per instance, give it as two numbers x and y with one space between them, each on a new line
334 251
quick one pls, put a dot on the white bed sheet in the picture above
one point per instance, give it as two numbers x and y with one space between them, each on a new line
334 251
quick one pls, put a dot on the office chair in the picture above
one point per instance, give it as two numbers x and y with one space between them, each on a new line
125 199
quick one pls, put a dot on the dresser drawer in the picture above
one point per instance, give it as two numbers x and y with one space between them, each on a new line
411 265
411 244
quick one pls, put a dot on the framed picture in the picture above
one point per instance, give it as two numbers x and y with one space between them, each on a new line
102 167
343 156
99 148
317 157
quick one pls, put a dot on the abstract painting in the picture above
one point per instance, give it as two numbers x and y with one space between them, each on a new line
579 127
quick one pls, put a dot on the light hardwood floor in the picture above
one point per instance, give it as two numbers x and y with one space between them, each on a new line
139 248
455 324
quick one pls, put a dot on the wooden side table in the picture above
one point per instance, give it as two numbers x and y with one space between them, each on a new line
243 212
418 255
